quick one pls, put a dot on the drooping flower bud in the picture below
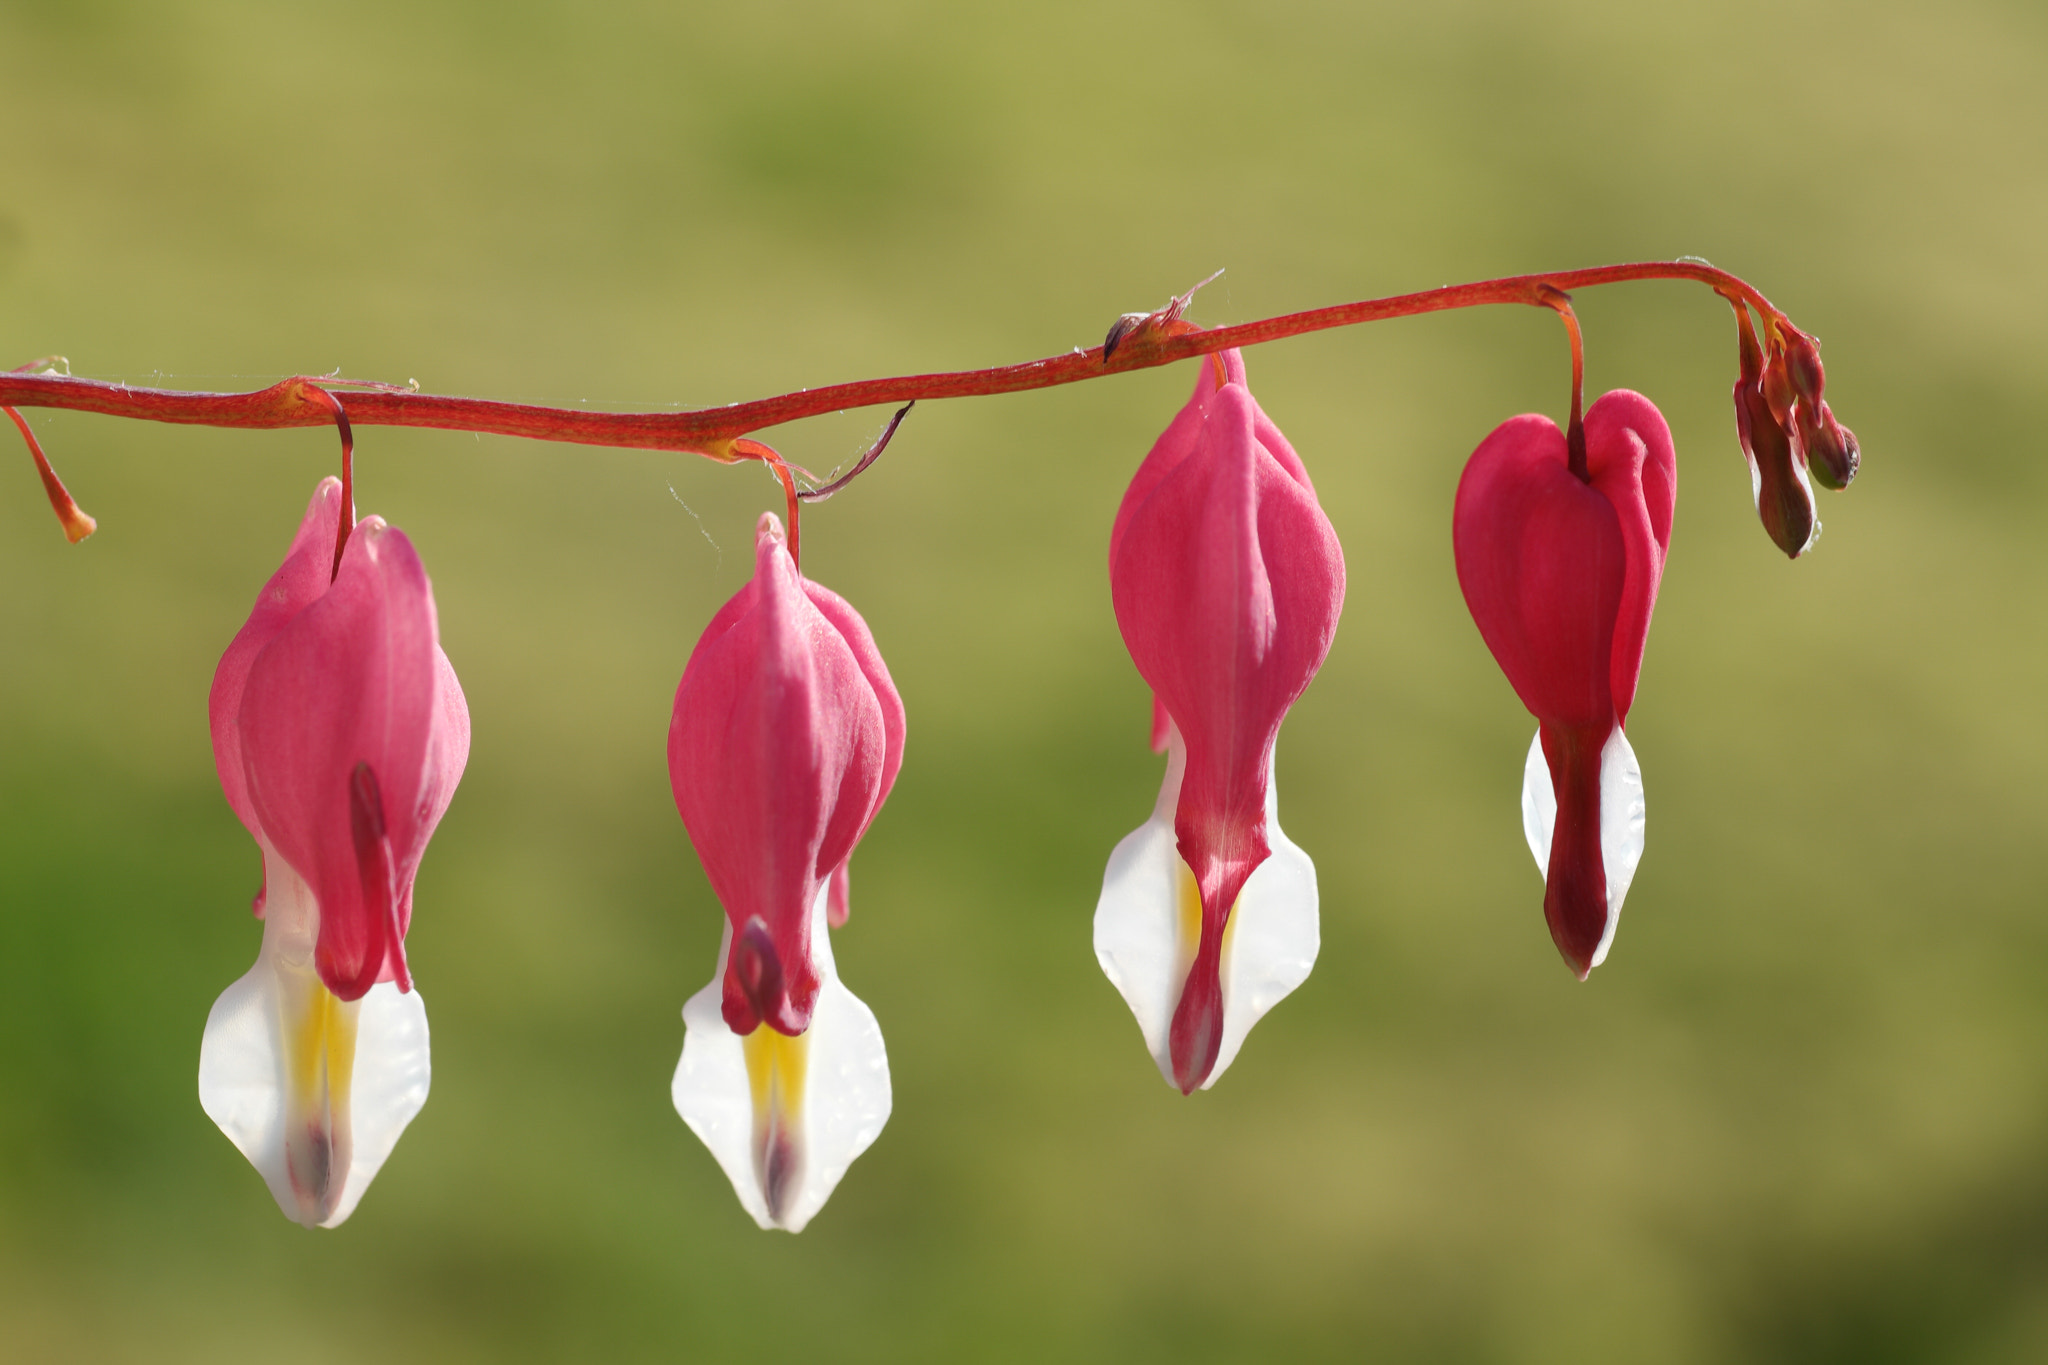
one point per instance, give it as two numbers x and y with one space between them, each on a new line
1828 447
1831 450
1777 476
786 736
1561 578
339 733
1227 581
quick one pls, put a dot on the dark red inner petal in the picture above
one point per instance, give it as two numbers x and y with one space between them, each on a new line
375 870
1575 886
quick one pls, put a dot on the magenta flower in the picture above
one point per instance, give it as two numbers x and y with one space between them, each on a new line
786 737
339 732
1561 575
1227 581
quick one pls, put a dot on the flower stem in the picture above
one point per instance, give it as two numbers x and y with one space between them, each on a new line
1575 430
792 499
77 525
348 473
303 401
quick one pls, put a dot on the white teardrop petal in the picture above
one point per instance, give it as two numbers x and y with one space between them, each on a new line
1539 805
1274 935
1621 820
245 1083
845 1091
847 1094
1139 940
393 1073
241 1070
710 1089
1621 828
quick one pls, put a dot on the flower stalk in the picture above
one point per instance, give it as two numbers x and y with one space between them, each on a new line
302 401
1781 404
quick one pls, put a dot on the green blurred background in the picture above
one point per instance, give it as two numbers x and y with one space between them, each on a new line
1800 1115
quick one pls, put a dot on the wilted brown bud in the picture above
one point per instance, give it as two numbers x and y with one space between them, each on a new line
1784 499
1121 328
1831 451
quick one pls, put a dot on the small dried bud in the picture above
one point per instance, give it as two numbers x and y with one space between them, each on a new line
1159 323
1121 328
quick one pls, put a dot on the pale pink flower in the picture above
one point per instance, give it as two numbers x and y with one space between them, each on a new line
1227 581
339 732
786 737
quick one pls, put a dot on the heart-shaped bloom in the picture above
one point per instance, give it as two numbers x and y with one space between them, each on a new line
1561 576
1227 581
339 732
786 737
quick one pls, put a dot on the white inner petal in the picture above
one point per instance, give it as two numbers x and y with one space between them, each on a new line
1138 936
1274 935
259 1025
393 1073
1145 933
845 1093
1806 487
1621 820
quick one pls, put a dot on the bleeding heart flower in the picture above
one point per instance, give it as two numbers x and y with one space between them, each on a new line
786 737
1561 575
339 732
1227 581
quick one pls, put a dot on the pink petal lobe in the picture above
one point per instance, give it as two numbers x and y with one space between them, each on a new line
298 582
1227 581
854 631
780 748
1575 884
1174 445
1541 560
1632 461
352 737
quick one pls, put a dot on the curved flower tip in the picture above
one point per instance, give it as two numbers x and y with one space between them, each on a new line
1561 577
784 1116
787 735
298 583
340 733
1227 581
1148 931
